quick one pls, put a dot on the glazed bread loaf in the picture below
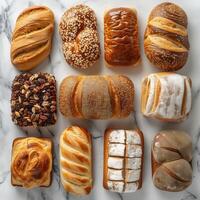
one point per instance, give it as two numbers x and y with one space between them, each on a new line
78 31
76 160
96 97
31 164
166 38
32 37
121 41
166 96
123 160
171 160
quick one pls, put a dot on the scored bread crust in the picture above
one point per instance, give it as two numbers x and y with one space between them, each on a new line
166 41
46 182
76 160
157 97
96 97
106 155
32 37
155 165
127 52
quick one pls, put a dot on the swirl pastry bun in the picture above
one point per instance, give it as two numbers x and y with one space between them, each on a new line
171 160
166 41
123 160
31 164
32 37
166 96
76 160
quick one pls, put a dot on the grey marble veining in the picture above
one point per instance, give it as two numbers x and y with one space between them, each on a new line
55 64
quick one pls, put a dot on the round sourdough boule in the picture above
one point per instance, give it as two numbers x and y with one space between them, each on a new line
78 31
166 41
32 37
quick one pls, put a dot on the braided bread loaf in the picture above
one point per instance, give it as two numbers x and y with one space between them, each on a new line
166 38
171 160
78 30
76 160
96 97
32 37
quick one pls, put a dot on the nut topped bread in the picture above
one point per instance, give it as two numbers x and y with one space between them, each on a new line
33 100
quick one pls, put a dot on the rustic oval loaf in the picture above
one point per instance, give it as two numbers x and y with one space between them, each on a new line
166 38
96 97
166 96
76 160
78 31
32 37
121 40
171 160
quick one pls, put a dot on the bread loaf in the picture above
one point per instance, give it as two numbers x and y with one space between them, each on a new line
121 41
32 37
76 160
171 160
31 164
78 31
166 96
166 41
96 97
123 160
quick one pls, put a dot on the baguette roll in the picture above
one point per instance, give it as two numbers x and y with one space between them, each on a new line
76 160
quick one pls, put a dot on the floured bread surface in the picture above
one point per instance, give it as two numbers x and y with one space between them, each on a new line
123 160
166 96
76 161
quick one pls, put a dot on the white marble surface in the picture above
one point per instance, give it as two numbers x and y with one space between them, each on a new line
9 10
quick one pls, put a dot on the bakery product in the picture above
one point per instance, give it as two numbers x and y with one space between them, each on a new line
32 37
123 160
166 96
76 160
96 97
121 42
33 100
31 164
171 160
78 31
166 41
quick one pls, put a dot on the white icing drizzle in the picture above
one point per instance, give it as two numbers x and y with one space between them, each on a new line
116 149
133 163
132 137
170 97
124 170
133 151
115 175
131 187
116 163
132 175
117 136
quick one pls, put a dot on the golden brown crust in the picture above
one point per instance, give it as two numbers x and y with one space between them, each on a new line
106 156
171 158
121 42
31 164
166 38
76 160
32 37
96 97
78 31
